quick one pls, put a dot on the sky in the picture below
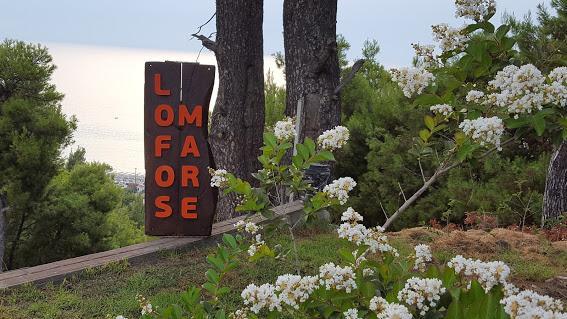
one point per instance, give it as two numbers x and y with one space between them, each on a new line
99 46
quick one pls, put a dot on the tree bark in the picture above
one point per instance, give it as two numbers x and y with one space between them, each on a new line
555 196
311 60
238 117
3 230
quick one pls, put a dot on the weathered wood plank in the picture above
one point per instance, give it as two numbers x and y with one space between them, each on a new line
59 270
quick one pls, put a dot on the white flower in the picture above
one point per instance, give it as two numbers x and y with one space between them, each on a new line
422 257
120 317
218 177
248 227
285 129
351 215
351 314
239 314
426 54
386 310
147 309
519 89
355 233
412 81
475 96
333 139
444 109
488 274
253 249
339 189
423 293
477 10
260 297
449 38
336 277
484 130
556 92
395 311
528 304
295 289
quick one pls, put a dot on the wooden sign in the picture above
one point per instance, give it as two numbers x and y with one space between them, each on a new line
178 198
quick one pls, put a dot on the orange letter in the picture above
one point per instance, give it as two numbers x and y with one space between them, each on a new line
161 203
190 118
158 113
159 145
157 86
190 147
159 176
187 206
189 172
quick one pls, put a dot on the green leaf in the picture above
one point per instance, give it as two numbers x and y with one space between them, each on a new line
270 139
428 100
229 240
213 276
303 151
424 135
538 123
429 122
310 145
501 31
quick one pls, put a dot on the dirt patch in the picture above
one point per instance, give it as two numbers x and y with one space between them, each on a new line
537 263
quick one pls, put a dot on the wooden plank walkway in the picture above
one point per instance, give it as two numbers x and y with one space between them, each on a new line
59 270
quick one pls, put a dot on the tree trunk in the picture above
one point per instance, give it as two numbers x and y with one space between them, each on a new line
238 117
555 197
3 230
311 60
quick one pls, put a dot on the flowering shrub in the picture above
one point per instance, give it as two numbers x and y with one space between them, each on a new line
476 100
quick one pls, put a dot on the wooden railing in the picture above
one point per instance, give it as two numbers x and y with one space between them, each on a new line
59 270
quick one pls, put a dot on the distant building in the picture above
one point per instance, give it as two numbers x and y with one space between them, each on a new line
131 181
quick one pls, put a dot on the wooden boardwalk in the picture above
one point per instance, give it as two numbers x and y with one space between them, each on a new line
57 271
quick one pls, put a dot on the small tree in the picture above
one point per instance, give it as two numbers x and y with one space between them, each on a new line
33 131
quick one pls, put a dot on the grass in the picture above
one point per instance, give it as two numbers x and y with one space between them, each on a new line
111 290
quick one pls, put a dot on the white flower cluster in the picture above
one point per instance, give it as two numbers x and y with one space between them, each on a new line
386 310
475 96
248 227
351 314
444 109
350 215
519 89
295 289
147 307
523 90
285 129
218 177
425 53
484 130
339 189
333 139
449 38
120 317
422 257
336 277
477 10
556 92
412 81
253 248
528 304
488 274
259 297
239 314
357 233
423 293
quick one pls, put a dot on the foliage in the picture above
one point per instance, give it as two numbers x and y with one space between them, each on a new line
275 101
75 216
33 131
